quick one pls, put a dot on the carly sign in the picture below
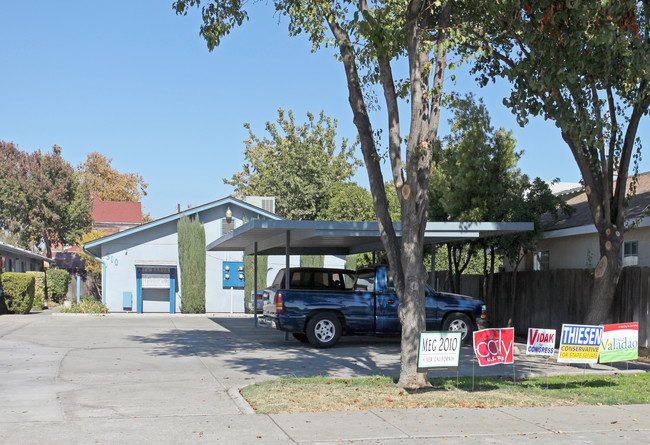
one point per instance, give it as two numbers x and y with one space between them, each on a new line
580 343
540 342
494 346
620 342
439 350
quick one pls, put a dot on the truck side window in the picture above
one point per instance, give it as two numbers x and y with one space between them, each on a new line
365 281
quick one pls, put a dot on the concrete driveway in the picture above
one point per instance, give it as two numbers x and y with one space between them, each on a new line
175 379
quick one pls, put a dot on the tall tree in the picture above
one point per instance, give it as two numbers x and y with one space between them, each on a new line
109 184
297 164
370 39
479 168
586 66
42 199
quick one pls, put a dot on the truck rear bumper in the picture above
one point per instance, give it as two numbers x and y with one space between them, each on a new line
266 322
282 322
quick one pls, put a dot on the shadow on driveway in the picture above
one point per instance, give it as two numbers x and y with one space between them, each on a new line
241 347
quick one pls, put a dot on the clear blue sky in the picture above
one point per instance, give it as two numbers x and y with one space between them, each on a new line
135 82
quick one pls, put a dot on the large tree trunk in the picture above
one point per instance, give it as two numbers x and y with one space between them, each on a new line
606 276
411 313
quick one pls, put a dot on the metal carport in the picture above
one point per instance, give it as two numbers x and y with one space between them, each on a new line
276 237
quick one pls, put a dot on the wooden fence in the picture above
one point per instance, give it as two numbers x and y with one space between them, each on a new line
546 299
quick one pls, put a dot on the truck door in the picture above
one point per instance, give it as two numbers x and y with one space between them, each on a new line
387 320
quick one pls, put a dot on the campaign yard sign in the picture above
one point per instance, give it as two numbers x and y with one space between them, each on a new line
620 342
540 342
494 346
439 350
580 343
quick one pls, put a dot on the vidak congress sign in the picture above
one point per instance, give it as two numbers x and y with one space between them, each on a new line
540 342
580 343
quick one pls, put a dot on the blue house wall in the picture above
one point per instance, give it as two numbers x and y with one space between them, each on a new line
141 265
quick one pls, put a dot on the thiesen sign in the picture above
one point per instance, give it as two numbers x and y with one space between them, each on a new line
439 350
580 343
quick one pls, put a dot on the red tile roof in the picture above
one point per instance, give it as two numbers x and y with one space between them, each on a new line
116 212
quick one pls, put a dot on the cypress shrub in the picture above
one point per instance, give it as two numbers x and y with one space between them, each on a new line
262 270
191 256
57 284
39 288
18 292
312 260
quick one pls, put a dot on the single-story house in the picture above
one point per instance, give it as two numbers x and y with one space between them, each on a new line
571 242
15 259
141 270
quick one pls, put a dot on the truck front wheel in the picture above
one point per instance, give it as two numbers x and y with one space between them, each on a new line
459 322
324 330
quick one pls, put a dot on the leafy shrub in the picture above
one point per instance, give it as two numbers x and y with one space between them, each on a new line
86 306
57 284
39 288
18 292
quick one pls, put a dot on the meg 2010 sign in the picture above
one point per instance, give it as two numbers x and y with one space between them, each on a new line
439 350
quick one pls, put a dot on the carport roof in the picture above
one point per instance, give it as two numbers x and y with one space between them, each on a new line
344 238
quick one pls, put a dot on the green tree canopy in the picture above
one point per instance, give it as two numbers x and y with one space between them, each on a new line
107 183
477 179
41 198
297 164
586 66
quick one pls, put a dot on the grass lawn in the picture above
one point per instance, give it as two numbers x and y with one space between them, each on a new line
327 394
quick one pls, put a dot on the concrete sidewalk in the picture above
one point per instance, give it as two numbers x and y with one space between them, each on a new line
127 378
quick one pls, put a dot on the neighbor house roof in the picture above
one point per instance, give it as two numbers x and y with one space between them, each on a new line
116 211
582 215
7 248
93 246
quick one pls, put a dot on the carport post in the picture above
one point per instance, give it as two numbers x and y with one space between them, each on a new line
433 267
255 283
287 269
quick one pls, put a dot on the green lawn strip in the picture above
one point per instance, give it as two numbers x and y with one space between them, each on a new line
328 394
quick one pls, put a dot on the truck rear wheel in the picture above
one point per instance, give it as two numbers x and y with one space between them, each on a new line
324 330
459 322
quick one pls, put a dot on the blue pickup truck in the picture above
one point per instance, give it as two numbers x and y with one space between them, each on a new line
369 307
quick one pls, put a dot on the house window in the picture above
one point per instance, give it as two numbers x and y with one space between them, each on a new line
630 253
541 260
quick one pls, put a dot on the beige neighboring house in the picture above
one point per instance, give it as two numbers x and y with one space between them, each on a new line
572 242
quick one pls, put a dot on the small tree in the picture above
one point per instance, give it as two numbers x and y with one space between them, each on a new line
297 165
107 183
191 256
93 267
